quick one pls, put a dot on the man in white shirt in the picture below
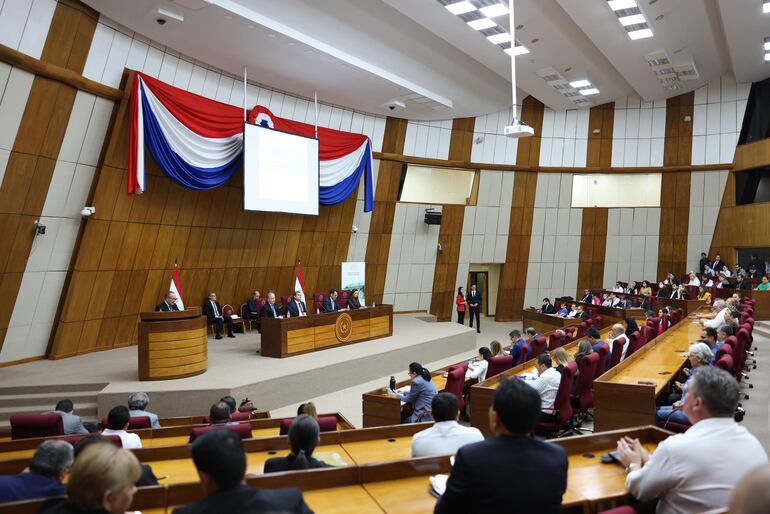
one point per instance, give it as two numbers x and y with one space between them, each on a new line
618 332
117 424
618 288
694 280
446 436
696 471
718 309
547 384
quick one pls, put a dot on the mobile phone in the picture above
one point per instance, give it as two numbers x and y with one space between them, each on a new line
610 457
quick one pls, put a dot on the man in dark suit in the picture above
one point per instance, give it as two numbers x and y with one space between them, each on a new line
547 307
214 316
474 305
480 480
252 305
168 304
718 265
704 260
588 297
740 283
297 306
221 463
330 302
269 310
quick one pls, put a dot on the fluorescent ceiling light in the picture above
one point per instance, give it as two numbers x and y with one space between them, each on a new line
493 11
481 24
496 39
766 7
767 46
517 50
590 91
580 83
634 19
640 34
460 7
767 57
617 5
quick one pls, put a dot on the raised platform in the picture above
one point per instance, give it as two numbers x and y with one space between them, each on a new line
235 369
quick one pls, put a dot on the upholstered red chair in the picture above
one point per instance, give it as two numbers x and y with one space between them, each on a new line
285 299
723 350
598 320
570 331
523 354
72 439
235 417
636 341
242 429
654 324
318 300
325 423
583 397
602 351
134 422
617 352
732 342
648 333
455 382
665 323
739 358
725 361
582 329
343 298
537 347
238 326
561 404
248 322
25 426
692 292
554 341
499 364
625 509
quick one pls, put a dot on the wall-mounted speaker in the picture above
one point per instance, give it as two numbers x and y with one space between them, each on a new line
432 217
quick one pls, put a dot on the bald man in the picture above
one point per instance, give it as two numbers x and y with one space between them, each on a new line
752 493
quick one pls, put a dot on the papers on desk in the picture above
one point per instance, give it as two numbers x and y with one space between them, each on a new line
331 458
234 316
403 390
438 484
528 377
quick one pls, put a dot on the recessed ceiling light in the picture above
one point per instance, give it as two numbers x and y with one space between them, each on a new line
493 11
640 34
590 91
460 7
580 83
767 57
496 39
481 24
617 5
767 46
291 43
271 35
766 7
517 50
634 19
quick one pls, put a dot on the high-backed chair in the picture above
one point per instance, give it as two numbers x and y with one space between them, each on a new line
561 405
318 300
325 423
603 351
248 322
242 429
343 298
455 382
235 417
25 426
499 364
582 329
285 299
724 350
227 312
74 438
648 333
537 347
554 341
583 397
617 352
523 354
725 361
134 422
570 331
636 341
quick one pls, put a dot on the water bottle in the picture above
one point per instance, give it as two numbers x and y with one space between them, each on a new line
392 383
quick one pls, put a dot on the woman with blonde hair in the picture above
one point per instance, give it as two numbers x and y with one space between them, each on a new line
496 348
309 409
560 358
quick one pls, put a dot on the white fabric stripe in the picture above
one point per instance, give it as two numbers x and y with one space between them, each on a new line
336 170
196 150
179 303
140 145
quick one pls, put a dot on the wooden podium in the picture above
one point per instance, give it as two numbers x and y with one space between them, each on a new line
172 344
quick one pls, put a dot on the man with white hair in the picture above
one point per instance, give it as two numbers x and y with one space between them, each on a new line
700 355
47 470
717 317
618 332
137 406
696 471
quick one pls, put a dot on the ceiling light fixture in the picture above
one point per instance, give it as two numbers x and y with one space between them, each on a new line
765 7
493 11
460 8
634 19
481 24
766 48
619 5
767 45
640 34
589 91
517 50
631 18
580 83
573 91
502 37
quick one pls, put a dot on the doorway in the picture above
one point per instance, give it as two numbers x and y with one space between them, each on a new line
481 279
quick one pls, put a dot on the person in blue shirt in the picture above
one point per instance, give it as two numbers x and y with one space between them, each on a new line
516 343
595 338
563 311
137 406
699 355
420 394
47 470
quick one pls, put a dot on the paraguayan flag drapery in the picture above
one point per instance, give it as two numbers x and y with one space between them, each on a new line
198 142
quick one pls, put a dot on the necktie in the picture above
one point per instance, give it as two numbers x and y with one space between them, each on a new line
216 311
272 307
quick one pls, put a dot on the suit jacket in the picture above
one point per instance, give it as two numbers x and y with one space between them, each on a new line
208 310
251 307
589 298
548 309
742 285
245 499
664 292
295 309
717 266
474 302
481 477
267 312
72 424
163 306
330 305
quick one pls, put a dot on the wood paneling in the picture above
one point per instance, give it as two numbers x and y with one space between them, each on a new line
37 144
385 197
675 187
593 230
450 233
513 278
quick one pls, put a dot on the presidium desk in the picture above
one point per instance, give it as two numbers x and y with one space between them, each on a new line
284 337
172 344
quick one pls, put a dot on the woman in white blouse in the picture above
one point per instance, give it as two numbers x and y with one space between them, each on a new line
694 281
478 369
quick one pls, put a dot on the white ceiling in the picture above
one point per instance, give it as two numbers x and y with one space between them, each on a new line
363 54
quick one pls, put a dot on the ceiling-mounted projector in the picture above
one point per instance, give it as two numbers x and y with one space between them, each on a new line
518 130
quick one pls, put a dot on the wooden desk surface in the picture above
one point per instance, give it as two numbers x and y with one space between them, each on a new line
379 450
351 499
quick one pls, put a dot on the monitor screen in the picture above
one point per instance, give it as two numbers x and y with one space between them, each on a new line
280 171
752 186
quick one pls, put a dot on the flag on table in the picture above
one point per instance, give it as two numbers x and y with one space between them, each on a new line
176 288
299 282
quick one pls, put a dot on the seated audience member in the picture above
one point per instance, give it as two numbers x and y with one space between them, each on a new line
618 288
704 261
169 303
581 313
680 293
547 307
531 334
562 311
693 279
753 272
330 302
738 270
706 281
354 302
588 297
137 406
708 270
723 332
219 414
480 480
547 384
147 477
704 295
420 394
625 302
47 469
730 319
649 314
595 338
296 307
496 349
573 311
446 436
605 300
717 316
764 285
741 284
723 282
584 348
72 424
304 435
561 336
673 280
631 325
645 290
516 343
752 493
309 409
697 470
699 355
221 463
214 316
663 290
252 306
478 370
709 336
560 358
618 332
231 403
270 309
117 424
632 288
614 300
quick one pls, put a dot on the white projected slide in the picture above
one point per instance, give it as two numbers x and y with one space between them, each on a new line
280 171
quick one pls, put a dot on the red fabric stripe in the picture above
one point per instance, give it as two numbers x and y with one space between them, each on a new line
133 135
178 282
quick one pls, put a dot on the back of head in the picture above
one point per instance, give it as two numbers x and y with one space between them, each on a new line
631 326
51 458
99 469
517 406
118 417
515 333
496 348
444 407
584 346
84 442
545 360
618 329
560 356
230 401
220 455
219 413
416 367
485 352
702 352
531 332
304 434
308 408
65 406
592 332
752 493
727 329
717 389
138 401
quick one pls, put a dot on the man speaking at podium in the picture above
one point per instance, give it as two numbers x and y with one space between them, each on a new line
168 304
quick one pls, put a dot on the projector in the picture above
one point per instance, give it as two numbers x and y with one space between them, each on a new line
518 130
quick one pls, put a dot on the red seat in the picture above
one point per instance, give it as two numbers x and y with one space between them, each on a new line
617 352
732 342
25 426
248 322
584 394
570 331
636 341
285 304
561 404
581 331
648 333
325 423
625 509
554 341
455 382
725 361
318 300
538 347
72 439
739 357
724 350
499 364
235 417
523 354
227 312
343 298
134 422
603 351
242 429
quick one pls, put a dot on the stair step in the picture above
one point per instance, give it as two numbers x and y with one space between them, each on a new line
86 410
46 400
59 390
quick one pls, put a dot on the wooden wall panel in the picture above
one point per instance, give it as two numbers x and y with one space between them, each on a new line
593 231
450 232
513 278
37 144
675 187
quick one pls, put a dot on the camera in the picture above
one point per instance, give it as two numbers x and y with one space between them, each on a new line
160 21
39 228
394 104
355 229
87 211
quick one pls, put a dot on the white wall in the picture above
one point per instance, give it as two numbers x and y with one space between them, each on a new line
717 119
489 143
564 139
428 139
632 245
706 188
638 131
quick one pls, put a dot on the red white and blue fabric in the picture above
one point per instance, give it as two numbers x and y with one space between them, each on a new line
198 142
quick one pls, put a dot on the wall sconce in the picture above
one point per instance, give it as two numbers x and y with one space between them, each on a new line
39 228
